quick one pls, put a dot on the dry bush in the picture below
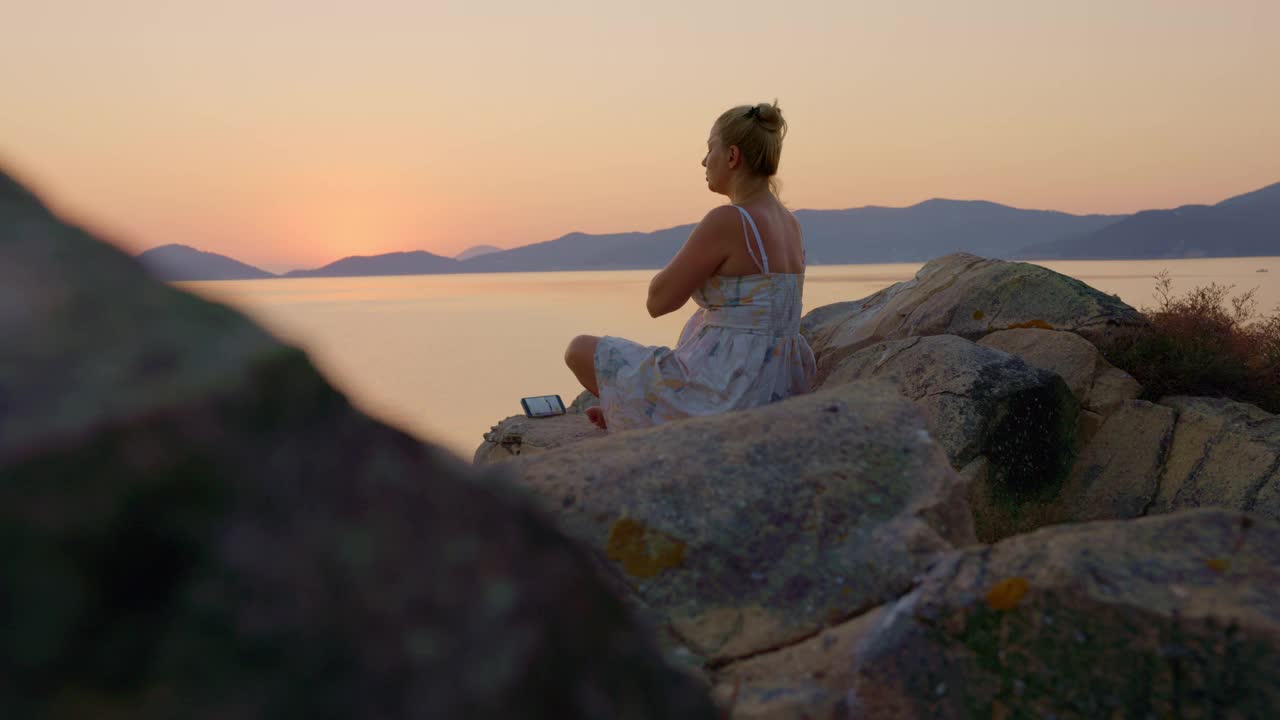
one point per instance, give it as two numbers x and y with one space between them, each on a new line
1206 342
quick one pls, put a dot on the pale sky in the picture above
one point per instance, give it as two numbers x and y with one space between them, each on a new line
295 132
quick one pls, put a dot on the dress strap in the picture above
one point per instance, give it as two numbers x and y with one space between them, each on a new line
763 261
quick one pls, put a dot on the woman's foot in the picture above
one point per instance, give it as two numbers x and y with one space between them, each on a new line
596 416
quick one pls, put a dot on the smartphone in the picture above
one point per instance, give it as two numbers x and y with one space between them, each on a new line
542 406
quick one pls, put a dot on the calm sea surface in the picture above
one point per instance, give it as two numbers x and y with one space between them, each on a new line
446 356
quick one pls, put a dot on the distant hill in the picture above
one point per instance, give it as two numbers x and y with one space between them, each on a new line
179 262
580 251
932 228
477 251
1248 224
417 262
860 235
1241 226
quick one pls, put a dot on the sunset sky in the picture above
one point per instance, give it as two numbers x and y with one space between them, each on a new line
290 133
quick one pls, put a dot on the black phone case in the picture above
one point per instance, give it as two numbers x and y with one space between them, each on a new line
525 405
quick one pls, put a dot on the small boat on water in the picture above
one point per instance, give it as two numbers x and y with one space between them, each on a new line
1262 270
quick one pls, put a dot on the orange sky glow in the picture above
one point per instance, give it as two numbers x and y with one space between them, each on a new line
289 134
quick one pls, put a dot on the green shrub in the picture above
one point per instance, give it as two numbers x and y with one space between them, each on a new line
1206 342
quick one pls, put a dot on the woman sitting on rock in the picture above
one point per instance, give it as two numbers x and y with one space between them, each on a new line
744 267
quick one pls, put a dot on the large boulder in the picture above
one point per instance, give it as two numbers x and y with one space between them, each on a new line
1169 616
193 523
968 296
982 405
751 530
1223 453
1097 384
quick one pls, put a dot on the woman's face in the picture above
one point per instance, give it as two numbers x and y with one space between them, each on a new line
716 161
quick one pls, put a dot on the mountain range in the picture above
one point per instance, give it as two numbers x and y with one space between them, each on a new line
1244 225
179 262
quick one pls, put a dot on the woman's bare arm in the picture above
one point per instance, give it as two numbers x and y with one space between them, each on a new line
704 251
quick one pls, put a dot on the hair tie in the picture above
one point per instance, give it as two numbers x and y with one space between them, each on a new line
753 112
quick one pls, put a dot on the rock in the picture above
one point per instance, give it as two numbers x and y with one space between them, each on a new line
1088 426
1072 357
584 400
1151 459
994 517
806 680
1117 475
1223 454
1111 387
195 524
1169 616
1096 383
967 296
750 530
520 435
982 402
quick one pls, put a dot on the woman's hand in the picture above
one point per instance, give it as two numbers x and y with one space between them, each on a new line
705 250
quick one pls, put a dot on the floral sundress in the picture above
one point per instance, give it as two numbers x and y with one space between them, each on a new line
741 348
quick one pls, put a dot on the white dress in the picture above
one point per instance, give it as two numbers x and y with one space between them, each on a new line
741 348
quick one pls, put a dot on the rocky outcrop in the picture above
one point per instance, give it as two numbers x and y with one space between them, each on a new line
982 403
1222 454
751 530
1125 580
1149 459
808 680
1097 384
1118 474
968 296
520 435
977 401
195 524
1115 477
1170 616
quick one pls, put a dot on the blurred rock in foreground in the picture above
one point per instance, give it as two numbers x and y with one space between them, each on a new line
194 524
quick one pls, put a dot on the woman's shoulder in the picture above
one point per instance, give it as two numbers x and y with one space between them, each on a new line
730 217
723 214
719 221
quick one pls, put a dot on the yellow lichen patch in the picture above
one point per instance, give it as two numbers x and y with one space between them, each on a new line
1042 325
642 551
978 315
1007 593
1218 565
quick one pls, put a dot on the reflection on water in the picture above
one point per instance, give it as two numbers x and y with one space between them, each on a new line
446 356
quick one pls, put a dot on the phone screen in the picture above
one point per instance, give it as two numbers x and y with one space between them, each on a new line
542 405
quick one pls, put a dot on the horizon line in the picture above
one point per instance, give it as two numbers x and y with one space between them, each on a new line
673 227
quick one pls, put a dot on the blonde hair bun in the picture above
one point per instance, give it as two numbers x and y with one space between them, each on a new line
769 116
758 131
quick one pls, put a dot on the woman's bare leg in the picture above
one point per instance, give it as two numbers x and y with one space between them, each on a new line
580 356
